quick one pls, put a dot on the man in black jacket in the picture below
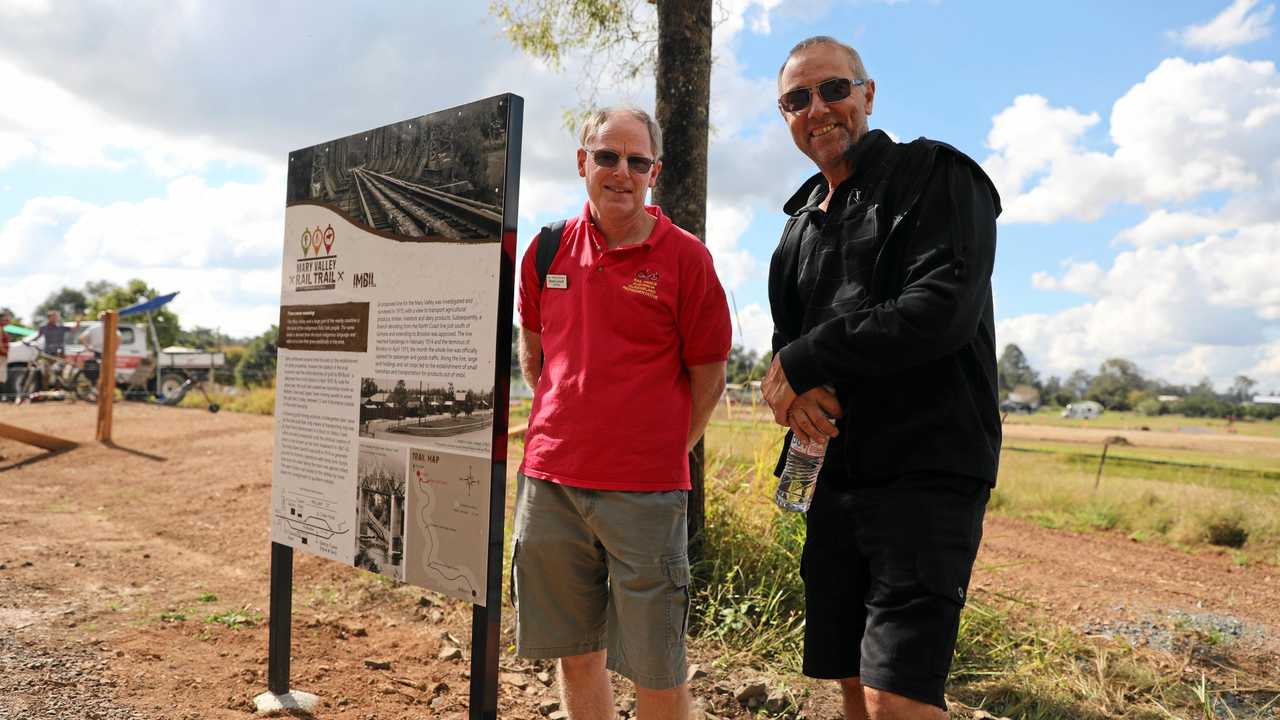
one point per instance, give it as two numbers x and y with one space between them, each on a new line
880 290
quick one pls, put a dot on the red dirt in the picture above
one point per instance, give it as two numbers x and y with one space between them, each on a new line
98 542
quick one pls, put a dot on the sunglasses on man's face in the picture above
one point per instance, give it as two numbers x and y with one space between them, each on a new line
638 164
832 91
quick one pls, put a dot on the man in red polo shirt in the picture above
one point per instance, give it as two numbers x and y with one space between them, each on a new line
625 345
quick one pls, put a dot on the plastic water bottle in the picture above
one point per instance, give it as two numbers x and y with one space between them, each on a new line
800 474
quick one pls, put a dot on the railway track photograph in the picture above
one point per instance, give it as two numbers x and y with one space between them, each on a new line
433 178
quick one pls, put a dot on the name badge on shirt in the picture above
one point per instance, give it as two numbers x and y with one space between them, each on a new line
558 282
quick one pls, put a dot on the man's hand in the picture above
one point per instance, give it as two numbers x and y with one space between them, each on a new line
777 392
812 414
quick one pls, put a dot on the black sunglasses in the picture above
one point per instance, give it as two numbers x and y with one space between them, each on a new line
638 164
832 91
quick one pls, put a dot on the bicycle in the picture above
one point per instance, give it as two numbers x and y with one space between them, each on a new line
51 372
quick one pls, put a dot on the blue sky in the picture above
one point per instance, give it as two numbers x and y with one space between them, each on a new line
1136 146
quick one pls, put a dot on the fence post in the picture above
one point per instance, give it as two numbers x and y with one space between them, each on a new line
1098 480
107 375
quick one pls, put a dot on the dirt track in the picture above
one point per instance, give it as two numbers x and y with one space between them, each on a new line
98 543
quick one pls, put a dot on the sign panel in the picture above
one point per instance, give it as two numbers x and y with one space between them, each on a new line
392 334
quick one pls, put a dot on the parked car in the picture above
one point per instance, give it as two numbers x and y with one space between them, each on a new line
1083 410
1014 406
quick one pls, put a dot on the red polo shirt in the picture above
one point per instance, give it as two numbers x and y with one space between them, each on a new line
611 410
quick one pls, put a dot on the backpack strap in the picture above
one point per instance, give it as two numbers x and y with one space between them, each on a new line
548 245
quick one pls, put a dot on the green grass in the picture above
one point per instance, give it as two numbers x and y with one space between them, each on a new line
1113 420
1178 505
1248 465
235 619
253 401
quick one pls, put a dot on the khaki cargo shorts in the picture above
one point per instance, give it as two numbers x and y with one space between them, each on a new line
597 569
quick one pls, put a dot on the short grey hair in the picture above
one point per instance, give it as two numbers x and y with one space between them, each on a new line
596 118
855 60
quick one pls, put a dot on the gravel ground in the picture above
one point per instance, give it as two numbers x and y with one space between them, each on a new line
67 684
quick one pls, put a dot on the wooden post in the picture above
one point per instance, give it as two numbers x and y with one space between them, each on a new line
1098 480
40 440
107 375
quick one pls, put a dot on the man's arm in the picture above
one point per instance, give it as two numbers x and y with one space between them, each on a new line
707 385
530 357
946 291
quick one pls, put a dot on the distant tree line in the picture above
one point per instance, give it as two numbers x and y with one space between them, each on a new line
1120 385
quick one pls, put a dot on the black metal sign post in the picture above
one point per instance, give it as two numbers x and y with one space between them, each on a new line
279 632
486 620
279 635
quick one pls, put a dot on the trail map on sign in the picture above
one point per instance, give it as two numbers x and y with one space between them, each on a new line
447 503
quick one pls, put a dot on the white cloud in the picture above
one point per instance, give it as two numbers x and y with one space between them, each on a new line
1186 129
1084 278
219 245
1242 22
725 226
1181 311
1163 226
42 120
753 328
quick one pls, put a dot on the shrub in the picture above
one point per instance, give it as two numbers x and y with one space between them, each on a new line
1150 407
1226 530
1223 527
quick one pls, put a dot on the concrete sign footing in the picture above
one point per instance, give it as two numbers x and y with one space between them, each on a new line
292 700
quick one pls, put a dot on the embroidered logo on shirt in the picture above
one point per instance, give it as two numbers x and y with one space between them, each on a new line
645 282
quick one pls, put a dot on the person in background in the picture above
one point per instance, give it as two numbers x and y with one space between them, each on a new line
5 319
54 334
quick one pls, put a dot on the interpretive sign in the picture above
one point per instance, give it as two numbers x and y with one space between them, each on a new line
394 347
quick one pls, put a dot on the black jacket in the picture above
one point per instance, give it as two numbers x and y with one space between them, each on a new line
887 297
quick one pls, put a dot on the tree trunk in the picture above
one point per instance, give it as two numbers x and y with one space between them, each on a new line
683 99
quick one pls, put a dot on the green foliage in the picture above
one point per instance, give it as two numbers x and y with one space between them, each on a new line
70 302
745 366
1116 379
236 619
1201 401
550 29
199 338
1150 407
257 367
1261 411
109 296
1056 393
619 38
1242 388
1013 369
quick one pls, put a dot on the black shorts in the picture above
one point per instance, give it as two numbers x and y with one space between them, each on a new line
886 570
